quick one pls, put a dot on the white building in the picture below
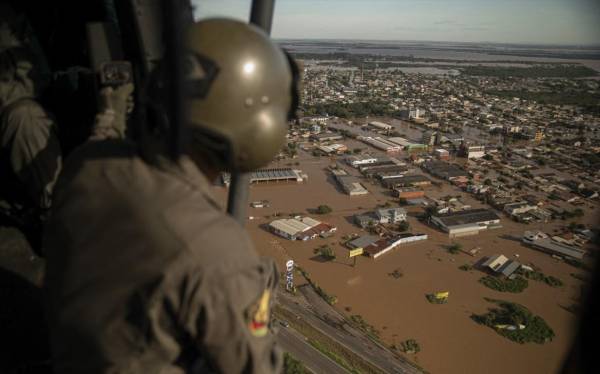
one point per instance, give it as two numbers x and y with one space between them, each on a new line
501 264
467 222
357 161
391 215
544 243
518 208
380 125
512 129
381 143
300 228
382 246
475 151
414 113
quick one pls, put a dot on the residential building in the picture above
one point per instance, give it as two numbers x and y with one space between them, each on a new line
442 154
500 264
539 135
518 208
415 113
365 220
544 243
390 215
429 138
475 151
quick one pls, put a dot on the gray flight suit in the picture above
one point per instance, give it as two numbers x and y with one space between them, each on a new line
146 274
30 153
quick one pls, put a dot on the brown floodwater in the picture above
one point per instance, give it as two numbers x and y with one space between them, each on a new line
450 341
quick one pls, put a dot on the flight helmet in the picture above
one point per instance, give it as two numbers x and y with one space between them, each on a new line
242 91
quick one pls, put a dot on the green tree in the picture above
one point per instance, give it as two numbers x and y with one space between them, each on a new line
454 248
326 252
324 209
403 226
516 285
410 346
535 328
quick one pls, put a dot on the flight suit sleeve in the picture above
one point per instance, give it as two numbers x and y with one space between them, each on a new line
234 322
35 153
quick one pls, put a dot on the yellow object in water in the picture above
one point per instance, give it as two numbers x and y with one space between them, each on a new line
442 295
355 252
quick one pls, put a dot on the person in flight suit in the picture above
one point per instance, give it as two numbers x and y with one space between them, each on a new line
145 272
31 156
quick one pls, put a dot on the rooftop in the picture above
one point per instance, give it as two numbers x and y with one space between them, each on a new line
274 174
466 217
363 241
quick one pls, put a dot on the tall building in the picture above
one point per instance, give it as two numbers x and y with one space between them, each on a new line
539 135
429 138
414 114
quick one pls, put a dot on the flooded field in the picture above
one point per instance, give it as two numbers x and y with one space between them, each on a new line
488 54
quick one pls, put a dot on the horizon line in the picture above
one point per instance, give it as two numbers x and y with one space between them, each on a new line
541 44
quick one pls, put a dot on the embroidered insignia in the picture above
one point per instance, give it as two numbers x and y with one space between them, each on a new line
259 315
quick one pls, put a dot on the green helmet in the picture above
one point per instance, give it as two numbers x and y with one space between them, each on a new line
242 90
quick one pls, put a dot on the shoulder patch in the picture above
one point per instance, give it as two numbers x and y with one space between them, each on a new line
258 315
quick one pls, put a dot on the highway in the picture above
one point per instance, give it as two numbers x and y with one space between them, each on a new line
294 343
326 319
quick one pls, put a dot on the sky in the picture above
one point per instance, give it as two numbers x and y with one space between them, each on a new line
570 22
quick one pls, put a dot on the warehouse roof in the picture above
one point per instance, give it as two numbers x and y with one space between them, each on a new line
467 217
444 169
285 226
310 221
273 174
405 180
363 241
